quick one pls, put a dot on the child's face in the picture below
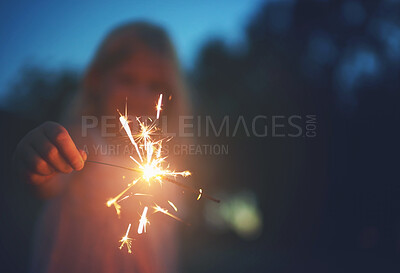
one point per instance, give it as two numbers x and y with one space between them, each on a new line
140 79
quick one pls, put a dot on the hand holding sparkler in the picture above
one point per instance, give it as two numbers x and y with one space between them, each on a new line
46 151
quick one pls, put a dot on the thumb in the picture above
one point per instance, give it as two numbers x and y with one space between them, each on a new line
83 154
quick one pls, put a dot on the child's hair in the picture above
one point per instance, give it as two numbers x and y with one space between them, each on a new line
118 46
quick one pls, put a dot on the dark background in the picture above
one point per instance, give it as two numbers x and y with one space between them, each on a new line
324 204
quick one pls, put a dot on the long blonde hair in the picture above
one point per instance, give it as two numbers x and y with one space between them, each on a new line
119 45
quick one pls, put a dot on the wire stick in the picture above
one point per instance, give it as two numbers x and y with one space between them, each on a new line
164 178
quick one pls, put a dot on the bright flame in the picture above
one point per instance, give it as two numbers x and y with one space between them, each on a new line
149 151
151 164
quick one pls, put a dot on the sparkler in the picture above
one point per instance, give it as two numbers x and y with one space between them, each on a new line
151 166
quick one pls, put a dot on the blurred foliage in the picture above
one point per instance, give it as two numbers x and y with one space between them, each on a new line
338 60
41 94
297 50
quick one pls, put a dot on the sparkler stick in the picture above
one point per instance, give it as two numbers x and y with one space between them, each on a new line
164 178
193 190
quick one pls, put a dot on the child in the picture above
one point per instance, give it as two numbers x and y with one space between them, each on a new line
77 232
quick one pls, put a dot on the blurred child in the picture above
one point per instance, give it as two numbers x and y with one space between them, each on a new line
77 232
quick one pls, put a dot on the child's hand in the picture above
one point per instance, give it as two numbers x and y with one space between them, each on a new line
46 151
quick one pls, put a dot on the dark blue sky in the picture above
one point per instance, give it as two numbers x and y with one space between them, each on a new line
66 33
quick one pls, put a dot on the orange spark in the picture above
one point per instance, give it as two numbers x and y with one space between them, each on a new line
113 201
124 122
126 240
143 221
157 208
200 193
159 106
173 205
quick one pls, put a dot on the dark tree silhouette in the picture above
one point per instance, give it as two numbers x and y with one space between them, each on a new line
335 195
42 94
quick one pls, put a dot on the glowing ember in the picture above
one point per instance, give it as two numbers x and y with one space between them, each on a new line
200 193
173 205
126 240
159 106
113 201
143 222
127 129
157 208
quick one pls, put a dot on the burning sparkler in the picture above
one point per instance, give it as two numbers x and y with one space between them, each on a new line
152 166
